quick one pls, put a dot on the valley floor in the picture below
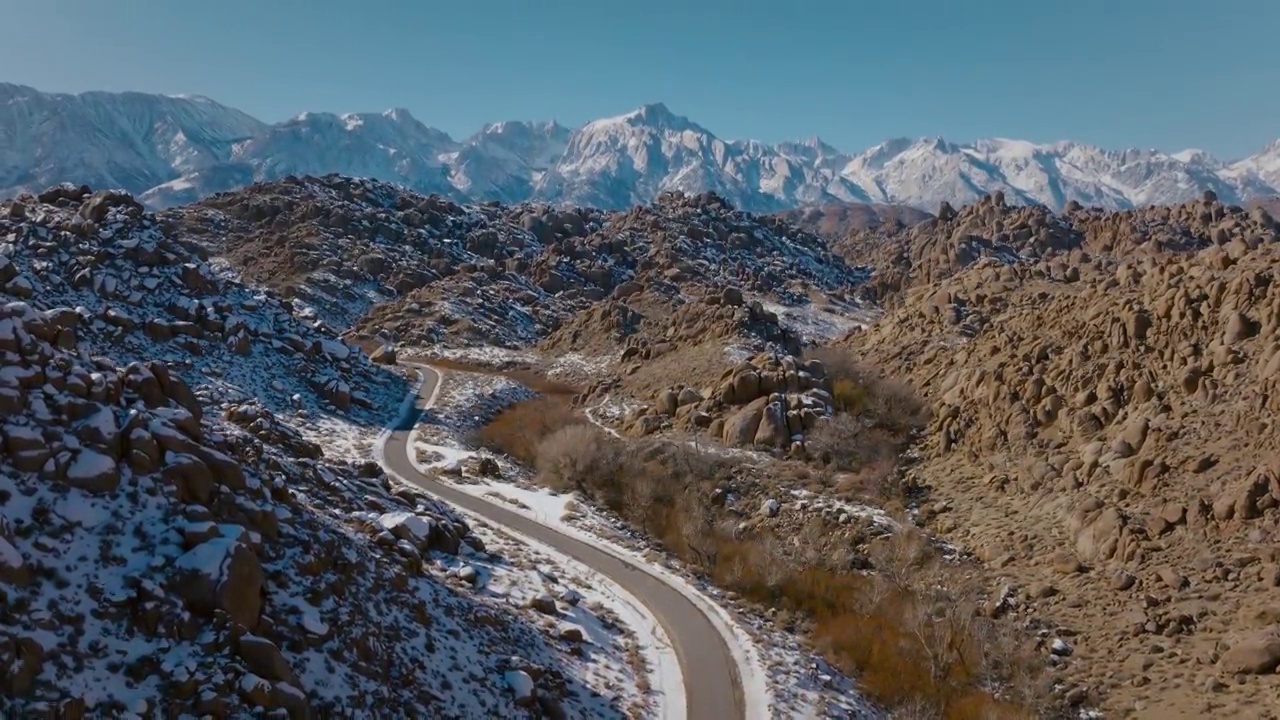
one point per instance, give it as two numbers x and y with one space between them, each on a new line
779 672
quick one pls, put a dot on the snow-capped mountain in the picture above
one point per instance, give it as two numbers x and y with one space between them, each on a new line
1264 167
504 161
391 145
923 173
173 150
122 140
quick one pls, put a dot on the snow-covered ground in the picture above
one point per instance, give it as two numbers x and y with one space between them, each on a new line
779 673
814 502
821 322
562 365
486 355
185 456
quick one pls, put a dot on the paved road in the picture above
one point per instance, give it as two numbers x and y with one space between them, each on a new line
713 688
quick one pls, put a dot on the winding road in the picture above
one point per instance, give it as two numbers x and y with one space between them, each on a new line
713 686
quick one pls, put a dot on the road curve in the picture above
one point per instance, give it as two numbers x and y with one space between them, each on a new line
713 686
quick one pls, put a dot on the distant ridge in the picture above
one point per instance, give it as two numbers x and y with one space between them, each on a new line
171 150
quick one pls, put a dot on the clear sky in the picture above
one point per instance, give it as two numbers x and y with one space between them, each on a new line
1169 74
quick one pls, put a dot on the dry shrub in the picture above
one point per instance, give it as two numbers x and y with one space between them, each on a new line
661 486
873 480
579 457
847 396
912 646
521 428
882 401
848 443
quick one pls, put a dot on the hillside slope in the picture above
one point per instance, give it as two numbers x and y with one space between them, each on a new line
190 516
1104 402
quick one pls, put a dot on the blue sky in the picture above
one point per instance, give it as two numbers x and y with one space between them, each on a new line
1169 74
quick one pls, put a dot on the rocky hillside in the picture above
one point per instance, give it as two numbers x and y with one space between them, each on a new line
1102 387
1104 398
185 518
175 150
422 270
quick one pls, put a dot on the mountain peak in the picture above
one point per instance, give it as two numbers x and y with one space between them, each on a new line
398 115
655 116
654 111
813 143
549 128
1193 155
658 115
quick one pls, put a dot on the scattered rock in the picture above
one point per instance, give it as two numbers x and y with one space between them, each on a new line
544 604
264 658
1253 655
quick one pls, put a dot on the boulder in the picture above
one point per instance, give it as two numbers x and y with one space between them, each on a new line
773 430
544 604
745 387
1101 532
740 429
1258 654
221 574
384 355
338 392
190 477
668 402
627 289
14 570
92 471
688 396
522 687
263 658
99 205
21 661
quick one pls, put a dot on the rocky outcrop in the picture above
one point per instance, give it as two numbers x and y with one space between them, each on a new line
768 402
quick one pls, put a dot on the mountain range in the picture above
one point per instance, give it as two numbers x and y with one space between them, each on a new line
170 150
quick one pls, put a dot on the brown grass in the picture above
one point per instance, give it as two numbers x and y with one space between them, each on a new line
881 401
520 429
848 396
909 645
696 366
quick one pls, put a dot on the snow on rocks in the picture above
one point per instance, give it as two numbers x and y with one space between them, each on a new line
172 530
400 267
13 568
521 686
